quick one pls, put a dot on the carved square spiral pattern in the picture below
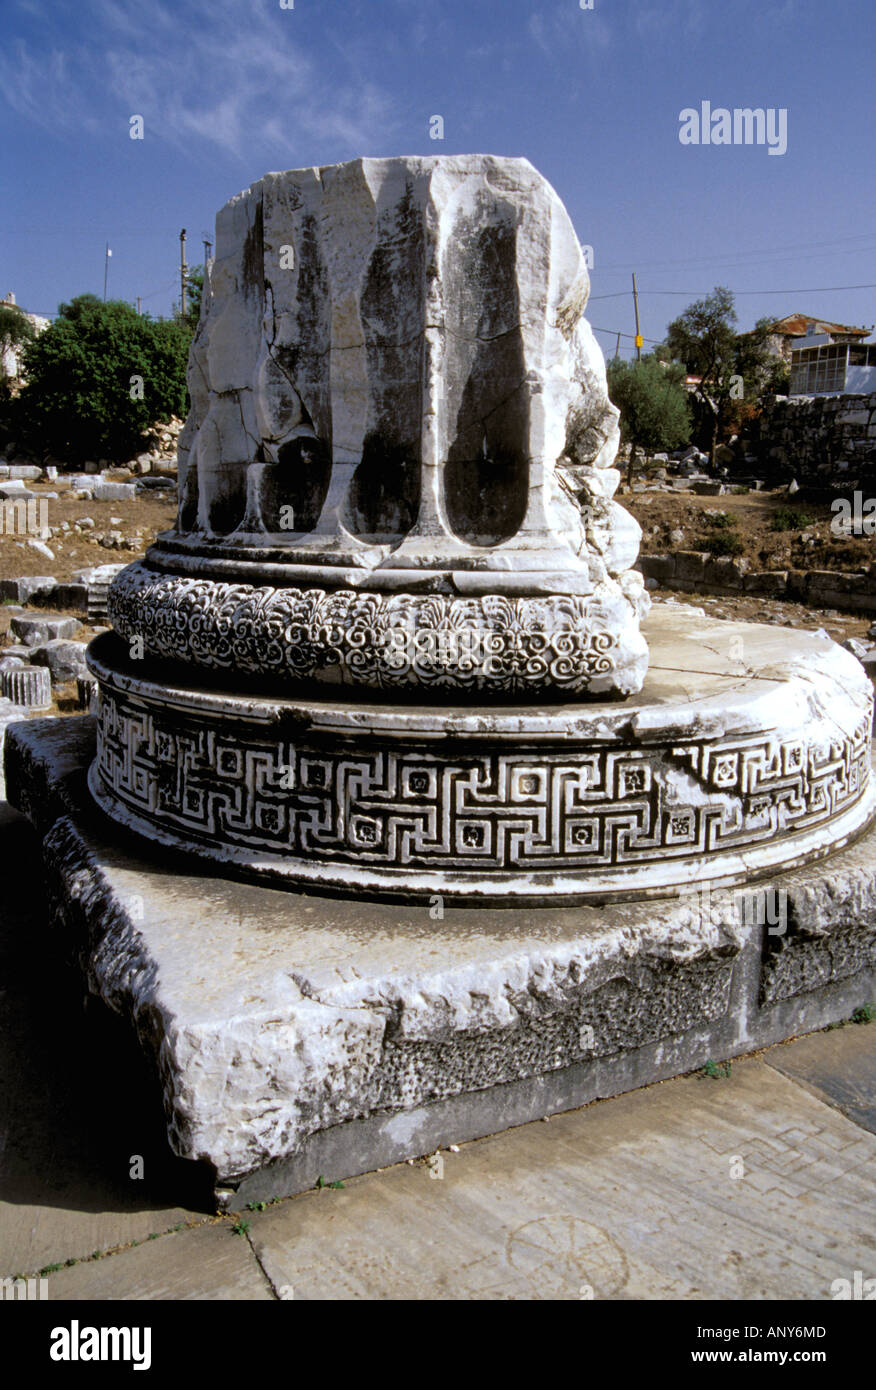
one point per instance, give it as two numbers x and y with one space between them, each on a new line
410 806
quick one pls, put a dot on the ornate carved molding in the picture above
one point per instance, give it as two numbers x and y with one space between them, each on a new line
488 643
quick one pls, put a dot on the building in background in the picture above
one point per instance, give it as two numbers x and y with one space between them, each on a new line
786 335
10 365
832 364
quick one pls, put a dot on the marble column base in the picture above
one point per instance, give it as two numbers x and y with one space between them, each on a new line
296 1035
747 749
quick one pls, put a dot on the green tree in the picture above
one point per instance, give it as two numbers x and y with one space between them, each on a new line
653 404
704 340
732 367
98 377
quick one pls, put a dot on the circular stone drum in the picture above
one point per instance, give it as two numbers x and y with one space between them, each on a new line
747 749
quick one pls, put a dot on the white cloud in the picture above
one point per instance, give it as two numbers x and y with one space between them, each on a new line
232 73
557 30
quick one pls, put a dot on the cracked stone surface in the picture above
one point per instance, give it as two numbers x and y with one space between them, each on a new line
394 389
274 1020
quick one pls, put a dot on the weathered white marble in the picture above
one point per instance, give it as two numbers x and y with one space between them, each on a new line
394 389
397 483
336 1034
746 749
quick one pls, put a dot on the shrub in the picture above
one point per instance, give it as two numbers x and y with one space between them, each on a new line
82 397
724 543
785 519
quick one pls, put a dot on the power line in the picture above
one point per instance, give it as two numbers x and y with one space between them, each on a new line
768 252
616 333
811 289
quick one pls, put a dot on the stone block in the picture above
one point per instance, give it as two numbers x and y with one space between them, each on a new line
27 589
659 567
15 491
766 583
112 492
725 572
356 1040
73 596
37 629
690 565
835 581
65 659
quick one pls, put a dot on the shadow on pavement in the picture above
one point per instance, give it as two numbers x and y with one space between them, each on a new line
78 1102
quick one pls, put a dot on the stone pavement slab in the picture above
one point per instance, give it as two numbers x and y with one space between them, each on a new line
839 1065
746 1187
207 1263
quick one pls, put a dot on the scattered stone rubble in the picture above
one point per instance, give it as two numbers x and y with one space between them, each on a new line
86 593
695 571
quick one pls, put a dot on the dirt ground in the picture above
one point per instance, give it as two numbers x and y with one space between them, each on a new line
146 514
753 517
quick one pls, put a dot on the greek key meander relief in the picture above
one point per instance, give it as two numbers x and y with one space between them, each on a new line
382 641
490 811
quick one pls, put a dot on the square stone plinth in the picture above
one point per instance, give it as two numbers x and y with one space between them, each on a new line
299 1036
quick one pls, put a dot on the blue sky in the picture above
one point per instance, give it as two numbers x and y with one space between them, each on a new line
229 89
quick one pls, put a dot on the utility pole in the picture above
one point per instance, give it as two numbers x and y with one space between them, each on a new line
639 339
182 272
106 261
139 304
617 346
